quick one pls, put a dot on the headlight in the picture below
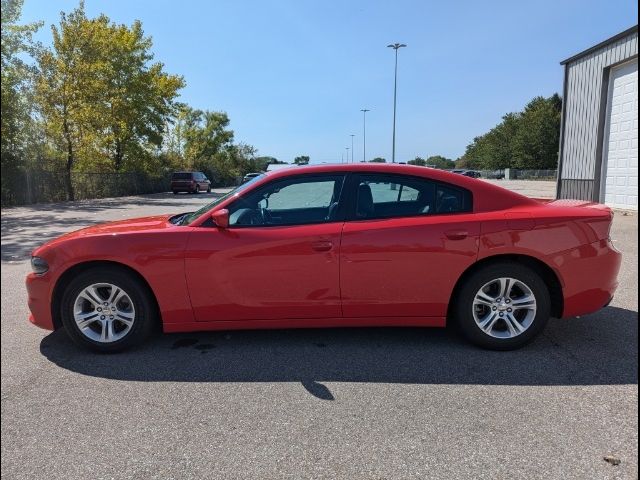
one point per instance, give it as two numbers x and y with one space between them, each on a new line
39 265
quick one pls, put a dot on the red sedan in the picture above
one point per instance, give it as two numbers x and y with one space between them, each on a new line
333 246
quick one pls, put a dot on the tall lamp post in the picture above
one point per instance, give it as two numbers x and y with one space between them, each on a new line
395 46
364 134
352 135
347 149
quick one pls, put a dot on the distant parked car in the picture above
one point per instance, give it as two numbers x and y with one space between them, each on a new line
495 175
249 176
190 182
458 170
471 173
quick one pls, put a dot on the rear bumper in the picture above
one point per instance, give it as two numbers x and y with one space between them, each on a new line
590 277
182 187
39 300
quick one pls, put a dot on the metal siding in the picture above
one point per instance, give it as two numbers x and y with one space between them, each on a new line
583 100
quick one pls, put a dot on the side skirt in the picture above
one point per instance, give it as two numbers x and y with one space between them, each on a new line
305 323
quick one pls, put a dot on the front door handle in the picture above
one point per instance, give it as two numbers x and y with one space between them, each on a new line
322 246
456 234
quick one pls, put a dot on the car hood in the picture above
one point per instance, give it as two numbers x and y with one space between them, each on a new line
131 225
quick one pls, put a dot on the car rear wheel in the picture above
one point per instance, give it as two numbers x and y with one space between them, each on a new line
107 310
502 306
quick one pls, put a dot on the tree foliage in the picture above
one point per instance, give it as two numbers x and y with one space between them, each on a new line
379 160
104 103
419 161
301 160
17 75
526 140
438 161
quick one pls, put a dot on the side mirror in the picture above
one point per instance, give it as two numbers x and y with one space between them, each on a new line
221 218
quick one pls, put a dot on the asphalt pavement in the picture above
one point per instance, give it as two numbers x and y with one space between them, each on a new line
338 403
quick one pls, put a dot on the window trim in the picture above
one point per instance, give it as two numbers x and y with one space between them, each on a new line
341 211
353 197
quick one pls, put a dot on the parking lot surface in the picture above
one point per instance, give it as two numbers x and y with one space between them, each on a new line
338 403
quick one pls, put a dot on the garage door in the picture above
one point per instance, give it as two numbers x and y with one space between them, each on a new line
620 156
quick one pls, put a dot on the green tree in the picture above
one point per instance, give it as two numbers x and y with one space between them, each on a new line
17 73
527 139
67 90
438 161
139 95
301 160
103 103
421 162
378 160
536 143
205 134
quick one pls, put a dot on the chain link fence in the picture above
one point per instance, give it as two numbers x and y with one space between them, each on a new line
517 174
40 186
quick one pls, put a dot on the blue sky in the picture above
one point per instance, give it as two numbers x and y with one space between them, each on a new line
293 75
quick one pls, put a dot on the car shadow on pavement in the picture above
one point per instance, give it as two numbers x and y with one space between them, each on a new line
599 349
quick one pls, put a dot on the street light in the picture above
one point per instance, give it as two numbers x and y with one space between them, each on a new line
395 46
347 149
364 134
352 150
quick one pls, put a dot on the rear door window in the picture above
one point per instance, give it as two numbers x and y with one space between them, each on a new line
387 196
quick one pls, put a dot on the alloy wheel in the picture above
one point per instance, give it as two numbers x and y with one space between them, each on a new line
504 307
104 312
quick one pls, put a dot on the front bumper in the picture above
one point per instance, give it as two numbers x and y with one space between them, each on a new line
39 300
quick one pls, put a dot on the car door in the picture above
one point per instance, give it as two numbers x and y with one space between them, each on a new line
405 243
279 257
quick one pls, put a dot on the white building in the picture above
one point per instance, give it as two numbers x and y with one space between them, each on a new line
599 134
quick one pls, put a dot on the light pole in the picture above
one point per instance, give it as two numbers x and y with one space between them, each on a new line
352 135
364 134
347 149
395 46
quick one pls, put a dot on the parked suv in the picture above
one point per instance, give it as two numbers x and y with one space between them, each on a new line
190 182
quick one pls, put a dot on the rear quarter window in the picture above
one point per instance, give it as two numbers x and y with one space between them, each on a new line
181 176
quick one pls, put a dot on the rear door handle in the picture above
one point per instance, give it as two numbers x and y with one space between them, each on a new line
456 234
322 246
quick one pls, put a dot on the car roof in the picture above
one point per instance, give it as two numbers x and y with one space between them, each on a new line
487 196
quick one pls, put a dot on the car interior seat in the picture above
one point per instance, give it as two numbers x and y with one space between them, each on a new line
364 208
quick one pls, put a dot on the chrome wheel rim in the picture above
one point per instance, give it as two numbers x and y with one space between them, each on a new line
504 307
104 312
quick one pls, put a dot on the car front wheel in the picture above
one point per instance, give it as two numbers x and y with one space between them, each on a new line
502 306
107 310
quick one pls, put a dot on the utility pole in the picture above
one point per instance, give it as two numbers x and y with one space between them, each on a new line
395 46
352 135
364 134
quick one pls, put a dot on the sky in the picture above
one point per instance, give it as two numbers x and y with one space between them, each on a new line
293 75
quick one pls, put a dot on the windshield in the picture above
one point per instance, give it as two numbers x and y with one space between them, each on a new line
190 217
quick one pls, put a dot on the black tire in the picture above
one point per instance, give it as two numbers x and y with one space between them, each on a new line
209 189
463 308
175 192
145 311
